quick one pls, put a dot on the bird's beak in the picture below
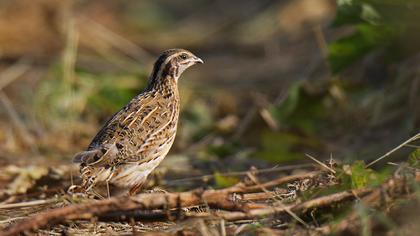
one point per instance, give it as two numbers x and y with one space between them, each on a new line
198 60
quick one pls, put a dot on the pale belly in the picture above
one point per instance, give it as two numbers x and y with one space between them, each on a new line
131 174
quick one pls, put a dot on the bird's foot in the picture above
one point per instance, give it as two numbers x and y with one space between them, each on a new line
158 190
79 191
75 189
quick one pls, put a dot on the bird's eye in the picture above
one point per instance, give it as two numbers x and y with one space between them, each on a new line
184 56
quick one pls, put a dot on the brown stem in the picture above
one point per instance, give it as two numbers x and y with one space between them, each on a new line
232 198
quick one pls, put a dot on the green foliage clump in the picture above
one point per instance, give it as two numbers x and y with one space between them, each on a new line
303 112
112 91
388 25
281 147
367 37
222 150
414 158
362 177
223 181
87 94
301 109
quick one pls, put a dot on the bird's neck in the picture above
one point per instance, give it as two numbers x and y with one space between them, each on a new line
167 86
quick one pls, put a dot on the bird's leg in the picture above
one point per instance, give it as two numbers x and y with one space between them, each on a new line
89 187
77 189
107 181
107 188
83 188
73 189
159 190
96 194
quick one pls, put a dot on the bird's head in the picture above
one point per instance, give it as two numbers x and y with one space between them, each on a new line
172 63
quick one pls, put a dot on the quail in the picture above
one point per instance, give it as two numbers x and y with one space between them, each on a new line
138 137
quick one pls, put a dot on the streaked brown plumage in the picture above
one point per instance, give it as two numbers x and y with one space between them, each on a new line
137 138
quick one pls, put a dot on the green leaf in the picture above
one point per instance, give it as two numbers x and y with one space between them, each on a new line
196 121
290 104
224 181
113 91
221 150
388 24
301 110
280 147
369 14
359 175
348 50
362 177
348 12
414 158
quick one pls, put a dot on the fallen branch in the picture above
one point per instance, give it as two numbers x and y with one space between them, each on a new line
232 198
395 187
284 180
239 173
233 204
298 209
376 198
26 204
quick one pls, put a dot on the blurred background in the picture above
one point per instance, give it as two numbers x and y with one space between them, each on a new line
280 79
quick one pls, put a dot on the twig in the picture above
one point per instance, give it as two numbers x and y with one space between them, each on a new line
321 41
298 208
396 164
70 52
27 204
240 173
245 123
393 188
18 123
250 115
124 45
390 186
252 177
12 219
262 104
283 180
319 162
202 228
228 199
222 228
6 77
13 72
204 142
268 118
411 145
395 149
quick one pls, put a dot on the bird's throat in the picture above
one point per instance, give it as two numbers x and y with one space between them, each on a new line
167 87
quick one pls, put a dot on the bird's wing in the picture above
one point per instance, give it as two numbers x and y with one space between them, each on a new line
129 134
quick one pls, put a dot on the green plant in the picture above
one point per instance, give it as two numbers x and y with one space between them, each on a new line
388 25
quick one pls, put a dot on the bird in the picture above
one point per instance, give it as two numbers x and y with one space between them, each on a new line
134 141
